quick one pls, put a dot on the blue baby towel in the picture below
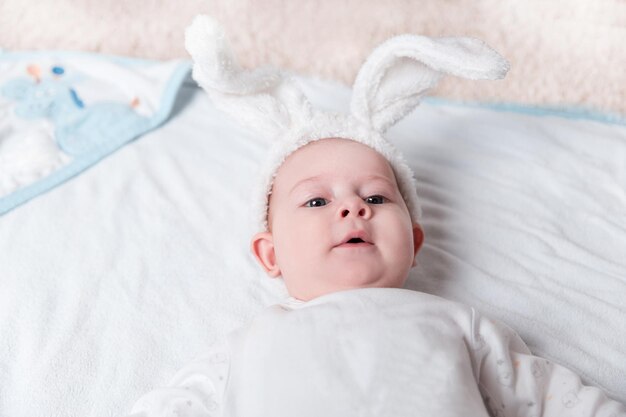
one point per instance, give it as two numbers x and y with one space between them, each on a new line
61 112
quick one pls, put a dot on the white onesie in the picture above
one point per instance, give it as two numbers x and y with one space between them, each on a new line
374 352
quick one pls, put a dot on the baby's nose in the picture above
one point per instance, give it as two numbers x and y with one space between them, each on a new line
357 208
346 212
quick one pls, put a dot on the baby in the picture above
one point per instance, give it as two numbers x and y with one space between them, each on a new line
340 225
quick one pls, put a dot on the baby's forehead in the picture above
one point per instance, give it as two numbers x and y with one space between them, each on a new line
337 153
328 159
363 179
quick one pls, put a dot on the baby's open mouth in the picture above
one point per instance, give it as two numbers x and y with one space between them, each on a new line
356 240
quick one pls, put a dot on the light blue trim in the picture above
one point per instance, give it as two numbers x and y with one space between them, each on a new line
576 113
79 164
170 94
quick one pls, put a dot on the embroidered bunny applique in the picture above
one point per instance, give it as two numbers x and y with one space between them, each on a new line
79 127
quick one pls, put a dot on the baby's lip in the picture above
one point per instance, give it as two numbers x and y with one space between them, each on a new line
355 238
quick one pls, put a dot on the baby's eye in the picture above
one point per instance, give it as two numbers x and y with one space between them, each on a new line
375 199
316 202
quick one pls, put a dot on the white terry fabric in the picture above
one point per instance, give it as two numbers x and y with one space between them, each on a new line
113 281
375 352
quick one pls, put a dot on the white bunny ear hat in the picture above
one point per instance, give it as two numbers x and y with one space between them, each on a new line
388 86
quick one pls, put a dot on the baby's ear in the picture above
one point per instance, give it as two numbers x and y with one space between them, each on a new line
418 240
401 70
262 247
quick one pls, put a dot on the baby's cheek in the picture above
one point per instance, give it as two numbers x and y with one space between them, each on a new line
402 238
292 239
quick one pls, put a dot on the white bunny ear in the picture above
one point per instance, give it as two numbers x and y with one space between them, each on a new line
263 99
400 71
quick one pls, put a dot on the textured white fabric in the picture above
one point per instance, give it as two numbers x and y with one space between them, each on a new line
375 352
389 85
112 282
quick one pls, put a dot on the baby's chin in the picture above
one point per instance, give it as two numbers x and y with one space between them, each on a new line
307 294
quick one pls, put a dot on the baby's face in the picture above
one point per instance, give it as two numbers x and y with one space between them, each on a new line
337 221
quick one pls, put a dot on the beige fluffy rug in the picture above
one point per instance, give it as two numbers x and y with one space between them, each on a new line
562 52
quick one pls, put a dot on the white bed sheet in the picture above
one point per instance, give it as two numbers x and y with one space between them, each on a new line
112 281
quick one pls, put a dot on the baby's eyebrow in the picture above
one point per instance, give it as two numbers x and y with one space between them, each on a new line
304 181
376 177
371 177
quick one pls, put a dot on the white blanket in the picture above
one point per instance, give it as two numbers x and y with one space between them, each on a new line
374 352
112 281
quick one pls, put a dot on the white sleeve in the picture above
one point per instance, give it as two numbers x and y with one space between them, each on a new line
515 383
197 390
